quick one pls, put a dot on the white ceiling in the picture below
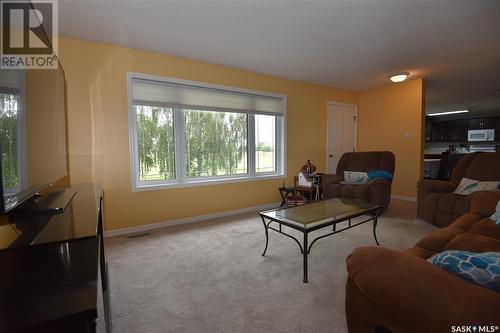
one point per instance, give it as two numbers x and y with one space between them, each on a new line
352 45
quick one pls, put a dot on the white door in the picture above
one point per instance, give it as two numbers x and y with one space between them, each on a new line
341 133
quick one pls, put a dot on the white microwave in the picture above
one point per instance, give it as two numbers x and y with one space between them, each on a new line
481 135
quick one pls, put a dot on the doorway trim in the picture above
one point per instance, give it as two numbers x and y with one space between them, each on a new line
328 103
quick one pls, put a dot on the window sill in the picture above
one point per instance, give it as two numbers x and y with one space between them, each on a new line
204 182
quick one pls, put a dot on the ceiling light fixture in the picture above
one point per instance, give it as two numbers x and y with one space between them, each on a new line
399 77
447 112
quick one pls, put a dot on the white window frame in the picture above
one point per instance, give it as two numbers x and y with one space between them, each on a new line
181 180
22 171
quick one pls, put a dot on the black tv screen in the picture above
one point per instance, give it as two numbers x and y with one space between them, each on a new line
32 133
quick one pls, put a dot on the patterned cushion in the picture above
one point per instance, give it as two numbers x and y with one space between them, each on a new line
355 177
479 268
468 186
496 215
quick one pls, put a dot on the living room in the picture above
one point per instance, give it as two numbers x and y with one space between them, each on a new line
179 229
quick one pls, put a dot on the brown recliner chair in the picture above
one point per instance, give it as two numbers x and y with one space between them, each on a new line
401 292
376 191
438 204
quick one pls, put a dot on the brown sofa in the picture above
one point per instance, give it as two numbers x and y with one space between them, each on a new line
438 204
375 191
393 291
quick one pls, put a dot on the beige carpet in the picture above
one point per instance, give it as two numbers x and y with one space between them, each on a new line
211 277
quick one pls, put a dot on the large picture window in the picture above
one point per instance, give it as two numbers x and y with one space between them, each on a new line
9 138
184 133
155 142
12 132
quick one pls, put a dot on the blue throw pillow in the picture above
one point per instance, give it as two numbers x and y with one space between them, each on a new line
479 268
379 174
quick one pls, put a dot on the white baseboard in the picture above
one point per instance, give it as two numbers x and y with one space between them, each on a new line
403 197
170 223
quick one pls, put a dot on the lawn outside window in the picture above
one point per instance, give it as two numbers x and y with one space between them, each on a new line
185 133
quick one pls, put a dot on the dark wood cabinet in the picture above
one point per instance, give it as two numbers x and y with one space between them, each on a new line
482 123
53 267
457 130
428 131
437 131
449 131
474 124
497 130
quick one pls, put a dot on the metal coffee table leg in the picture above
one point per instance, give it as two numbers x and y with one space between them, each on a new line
305 253
375 220
267 235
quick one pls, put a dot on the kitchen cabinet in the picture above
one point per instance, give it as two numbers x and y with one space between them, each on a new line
428 130
437 132
497 130
449 131
457 130
482 123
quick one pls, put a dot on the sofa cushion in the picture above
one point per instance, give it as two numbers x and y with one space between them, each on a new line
347 191
468 186
479 268
420 252
486 227
354 191
444 219
332 191
484 203
466 221
438 239
484 166
473 242
471 231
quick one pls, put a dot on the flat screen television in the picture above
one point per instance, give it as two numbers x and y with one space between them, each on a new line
33 143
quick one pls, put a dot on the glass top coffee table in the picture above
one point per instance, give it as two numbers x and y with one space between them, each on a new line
318 215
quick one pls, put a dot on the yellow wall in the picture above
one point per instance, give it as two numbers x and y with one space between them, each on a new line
98 131
44 101
385 116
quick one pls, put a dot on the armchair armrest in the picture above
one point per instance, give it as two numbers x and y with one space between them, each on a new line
427 210
379 191
435 186
331 179
484 203
328 183
378 181
423 297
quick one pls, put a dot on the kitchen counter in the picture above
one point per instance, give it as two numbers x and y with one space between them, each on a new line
472 148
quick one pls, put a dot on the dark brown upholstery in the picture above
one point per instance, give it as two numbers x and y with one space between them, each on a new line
375 191
438 204
393 291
